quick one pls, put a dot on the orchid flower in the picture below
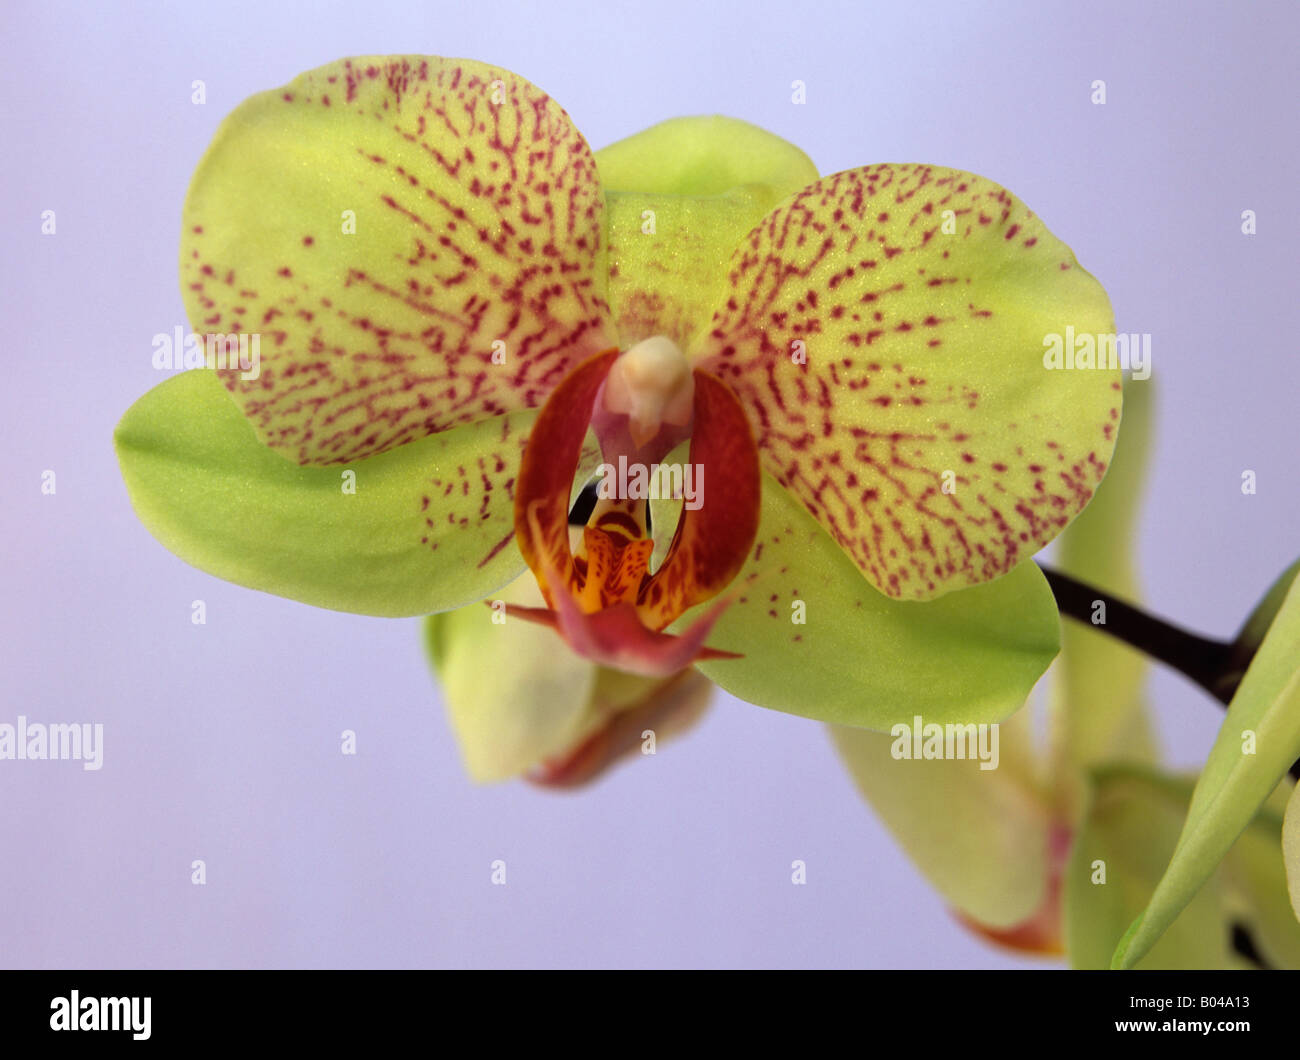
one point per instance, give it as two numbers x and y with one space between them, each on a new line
461 313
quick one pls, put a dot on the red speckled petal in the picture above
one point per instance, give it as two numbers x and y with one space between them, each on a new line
886 331
416 242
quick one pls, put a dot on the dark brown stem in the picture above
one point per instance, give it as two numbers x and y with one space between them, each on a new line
1216 665
1204 660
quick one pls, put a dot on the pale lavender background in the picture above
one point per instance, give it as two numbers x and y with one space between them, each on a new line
222 741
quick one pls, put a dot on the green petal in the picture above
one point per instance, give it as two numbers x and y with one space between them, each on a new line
668 258
514 693
417 535
891 331
1259 740
416 240
1100 711
980 836
679 197
860 658
1129 828
1291 849
517 697
701 156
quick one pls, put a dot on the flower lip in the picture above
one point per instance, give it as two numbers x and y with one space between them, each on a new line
603 599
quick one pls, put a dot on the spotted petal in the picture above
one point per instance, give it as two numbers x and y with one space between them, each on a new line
887 329
417 242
